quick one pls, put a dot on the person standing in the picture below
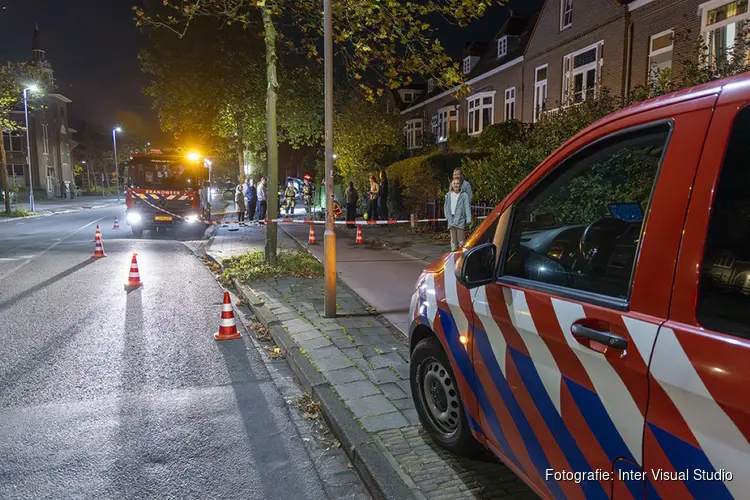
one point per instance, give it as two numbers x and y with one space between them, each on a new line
251 194
262 197
290 198
465 186
239 202
372 206
383 196
307 195
457 214
351 197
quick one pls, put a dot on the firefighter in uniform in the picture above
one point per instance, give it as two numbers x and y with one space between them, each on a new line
290 198
307 195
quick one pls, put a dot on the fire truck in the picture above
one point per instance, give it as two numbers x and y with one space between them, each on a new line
167 190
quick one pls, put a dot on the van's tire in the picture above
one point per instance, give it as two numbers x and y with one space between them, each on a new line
440 409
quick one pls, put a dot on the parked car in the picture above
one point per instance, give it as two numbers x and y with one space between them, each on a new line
594 331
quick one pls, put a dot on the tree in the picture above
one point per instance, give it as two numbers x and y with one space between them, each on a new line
12 76
392 39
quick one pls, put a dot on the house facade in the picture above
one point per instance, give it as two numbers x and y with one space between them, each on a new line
567 51
49 134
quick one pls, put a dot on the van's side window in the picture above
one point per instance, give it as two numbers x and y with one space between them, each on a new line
724 290
580 227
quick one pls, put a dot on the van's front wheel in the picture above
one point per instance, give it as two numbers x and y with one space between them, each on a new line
437 399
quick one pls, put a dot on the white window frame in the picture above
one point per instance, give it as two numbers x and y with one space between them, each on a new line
570 74
467 65
434 123
475 104
502 47
45 138
446 115
653 53
15 141
412 127
510 102
706 30
539 107
566 8
430 85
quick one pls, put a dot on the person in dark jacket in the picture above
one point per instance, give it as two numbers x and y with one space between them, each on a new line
352 197
251 194
383 196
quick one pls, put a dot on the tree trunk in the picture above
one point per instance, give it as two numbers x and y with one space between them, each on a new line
272 152
6 185
240 156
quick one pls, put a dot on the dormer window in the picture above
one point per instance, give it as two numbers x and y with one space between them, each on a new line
467 65
408 97
566 14
430 85
502 47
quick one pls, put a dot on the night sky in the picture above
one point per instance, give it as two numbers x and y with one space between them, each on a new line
93 47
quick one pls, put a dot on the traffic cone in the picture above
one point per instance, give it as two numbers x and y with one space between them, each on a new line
116 227
98 234
228 327
99 249
311 237
134 277
359 239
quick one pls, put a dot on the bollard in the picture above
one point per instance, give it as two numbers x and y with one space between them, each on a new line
413 219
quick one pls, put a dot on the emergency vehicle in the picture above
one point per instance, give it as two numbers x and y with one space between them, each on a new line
594 331
166 190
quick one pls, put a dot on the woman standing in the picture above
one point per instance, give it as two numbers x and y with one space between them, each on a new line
383 196
239 201
457 213
372 207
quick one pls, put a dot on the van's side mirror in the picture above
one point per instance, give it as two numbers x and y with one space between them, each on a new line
476 267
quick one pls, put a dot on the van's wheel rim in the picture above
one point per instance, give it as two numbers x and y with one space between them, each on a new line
441 397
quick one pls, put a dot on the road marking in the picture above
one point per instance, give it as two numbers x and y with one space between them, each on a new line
2 277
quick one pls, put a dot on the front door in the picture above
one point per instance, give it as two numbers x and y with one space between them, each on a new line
698 425
564 337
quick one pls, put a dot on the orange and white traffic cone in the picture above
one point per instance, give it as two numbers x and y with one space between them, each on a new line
99 249
117 225
228 326
311 237
98 234
359 239
134 277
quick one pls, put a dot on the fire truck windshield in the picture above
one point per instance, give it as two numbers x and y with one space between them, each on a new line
163 174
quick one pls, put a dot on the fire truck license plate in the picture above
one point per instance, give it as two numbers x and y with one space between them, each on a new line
163 217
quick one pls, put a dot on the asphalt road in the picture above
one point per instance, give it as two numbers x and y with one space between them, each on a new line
109 394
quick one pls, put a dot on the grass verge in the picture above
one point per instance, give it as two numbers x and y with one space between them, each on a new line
16 213
252 266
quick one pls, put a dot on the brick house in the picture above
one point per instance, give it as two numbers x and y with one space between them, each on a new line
50 137
567 51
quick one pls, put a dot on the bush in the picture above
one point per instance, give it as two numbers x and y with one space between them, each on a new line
420 179
252 266
16 213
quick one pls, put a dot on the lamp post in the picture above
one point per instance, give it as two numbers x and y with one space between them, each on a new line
32 88
329 263
117 167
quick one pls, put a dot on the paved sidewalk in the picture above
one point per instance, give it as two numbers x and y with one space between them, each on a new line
356 366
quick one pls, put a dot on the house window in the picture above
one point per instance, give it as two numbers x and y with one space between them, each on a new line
566 14
481 111
414 134
435 130
502 46
722 22
15 171
540 92
430 85
408 97
45 139
660 53
510 104
467 65
447 123
13 142
581 72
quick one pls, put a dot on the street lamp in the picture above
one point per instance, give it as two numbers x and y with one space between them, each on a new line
32 88
117 168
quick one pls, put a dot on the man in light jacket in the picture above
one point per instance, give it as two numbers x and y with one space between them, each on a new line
458 214
465 186
262 197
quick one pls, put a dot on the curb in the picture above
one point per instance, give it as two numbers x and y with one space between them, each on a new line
380 477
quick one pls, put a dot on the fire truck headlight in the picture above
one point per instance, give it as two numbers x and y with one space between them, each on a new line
134 218
191 219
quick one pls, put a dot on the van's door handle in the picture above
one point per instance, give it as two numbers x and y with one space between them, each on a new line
606 338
